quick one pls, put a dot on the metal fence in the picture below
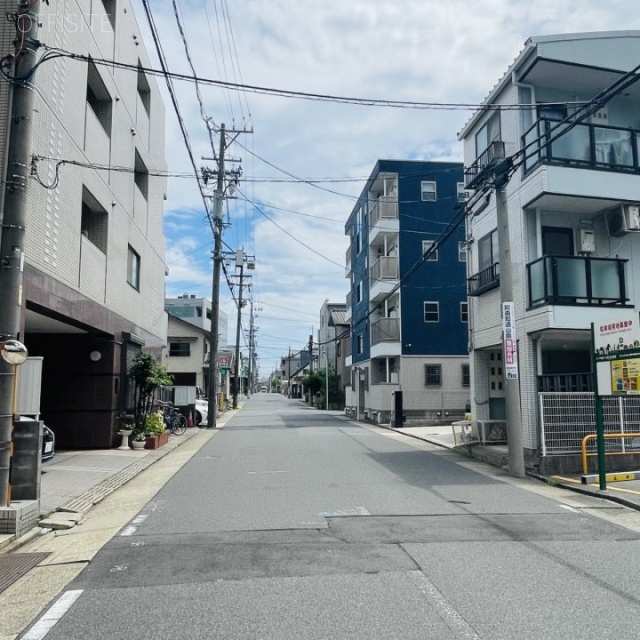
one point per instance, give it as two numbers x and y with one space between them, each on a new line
566 418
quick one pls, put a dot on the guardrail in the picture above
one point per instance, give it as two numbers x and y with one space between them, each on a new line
607 436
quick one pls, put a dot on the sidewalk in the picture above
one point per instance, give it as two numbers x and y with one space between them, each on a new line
626 492
73 481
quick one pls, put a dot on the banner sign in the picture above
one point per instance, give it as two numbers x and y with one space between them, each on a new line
616 347
510 343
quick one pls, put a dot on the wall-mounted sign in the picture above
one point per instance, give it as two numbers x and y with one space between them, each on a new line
510 343
223 362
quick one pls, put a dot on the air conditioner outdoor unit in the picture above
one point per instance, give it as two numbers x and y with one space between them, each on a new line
624 219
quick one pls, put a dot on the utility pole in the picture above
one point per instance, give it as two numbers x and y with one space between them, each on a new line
511 381
218 198
16 175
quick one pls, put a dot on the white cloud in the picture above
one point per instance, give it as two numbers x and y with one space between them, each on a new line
418 50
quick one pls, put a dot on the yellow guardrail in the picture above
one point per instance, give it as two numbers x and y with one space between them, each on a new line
608 436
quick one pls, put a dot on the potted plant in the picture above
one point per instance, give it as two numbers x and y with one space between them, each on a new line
124 428
155 431
147 374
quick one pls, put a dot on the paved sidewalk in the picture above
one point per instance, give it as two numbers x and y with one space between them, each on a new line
623 492
73 481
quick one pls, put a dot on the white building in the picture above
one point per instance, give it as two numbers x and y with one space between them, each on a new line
197 311
572 188
95 268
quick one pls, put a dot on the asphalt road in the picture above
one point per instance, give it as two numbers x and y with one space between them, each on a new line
292 523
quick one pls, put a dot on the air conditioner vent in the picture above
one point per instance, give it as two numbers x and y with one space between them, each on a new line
624 219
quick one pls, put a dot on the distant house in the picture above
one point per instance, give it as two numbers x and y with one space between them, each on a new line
571 174
333 330
407 303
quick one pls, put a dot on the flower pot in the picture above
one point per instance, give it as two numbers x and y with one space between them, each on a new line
124 445
138 444
157 440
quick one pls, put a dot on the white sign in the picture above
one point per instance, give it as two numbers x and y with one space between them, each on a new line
620 334
510 343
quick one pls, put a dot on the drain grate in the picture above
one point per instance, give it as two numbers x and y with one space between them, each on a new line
14 566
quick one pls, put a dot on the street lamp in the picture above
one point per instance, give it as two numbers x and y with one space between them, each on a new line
326 380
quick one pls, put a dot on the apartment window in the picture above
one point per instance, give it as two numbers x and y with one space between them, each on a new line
489 133
464 312
462 251
144 90
133 268
94 224
428 191
358 242
427 245
98 98
141 175
359 292
431 311
433 375
466 376
179 349
488 251
360 345
461 194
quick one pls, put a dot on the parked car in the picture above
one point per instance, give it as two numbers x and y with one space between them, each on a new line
48 443
202 410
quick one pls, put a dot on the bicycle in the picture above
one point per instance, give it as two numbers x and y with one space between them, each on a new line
173 419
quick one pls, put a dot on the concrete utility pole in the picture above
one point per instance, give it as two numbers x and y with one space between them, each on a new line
236 378
218 198
16 175
511 384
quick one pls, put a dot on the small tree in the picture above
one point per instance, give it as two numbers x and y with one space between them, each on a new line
313 382
147 374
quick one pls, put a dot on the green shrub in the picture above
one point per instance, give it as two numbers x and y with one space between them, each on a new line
154 424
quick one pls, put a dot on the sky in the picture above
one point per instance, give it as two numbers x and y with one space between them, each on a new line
305 162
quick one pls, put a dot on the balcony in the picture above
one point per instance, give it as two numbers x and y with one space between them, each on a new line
347 262
384 207
347 313
577 280
383 276
484 280
385 330
489 158
583 145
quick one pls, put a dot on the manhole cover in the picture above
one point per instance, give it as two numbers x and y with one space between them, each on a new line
14 566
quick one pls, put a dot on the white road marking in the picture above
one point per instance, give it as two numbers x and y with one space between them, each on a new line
129 531
444 608
51 617
355 511
568 508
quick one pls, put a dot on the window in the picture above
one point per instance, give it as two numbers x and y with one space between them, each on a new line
462 251
360 346
461 194
133 268
359 292
466 376
428 191
94 224
98 98
427 246
433 375
464 312
144 90
488 252
141 175
358 242
431 311
179 349
489 133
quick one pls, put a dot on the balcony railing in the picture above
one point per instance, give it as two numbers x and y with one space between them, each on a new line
384 207
484 280
489 158
384 268
566 382
577 280
385 330
586 145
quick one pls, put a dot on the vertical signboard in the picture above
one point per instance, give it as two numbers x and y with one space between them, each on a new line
510 343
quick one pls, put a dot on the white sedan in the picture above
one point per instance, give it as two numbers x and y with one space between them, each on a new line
202 411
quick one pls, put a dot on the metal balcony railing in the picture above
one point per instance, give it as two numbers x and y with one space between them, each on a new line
484 280
384 268
582 145
385 330
577 280
384 207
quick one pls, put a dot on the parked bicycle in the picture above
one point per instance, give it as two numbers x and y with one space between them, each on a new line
173 419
